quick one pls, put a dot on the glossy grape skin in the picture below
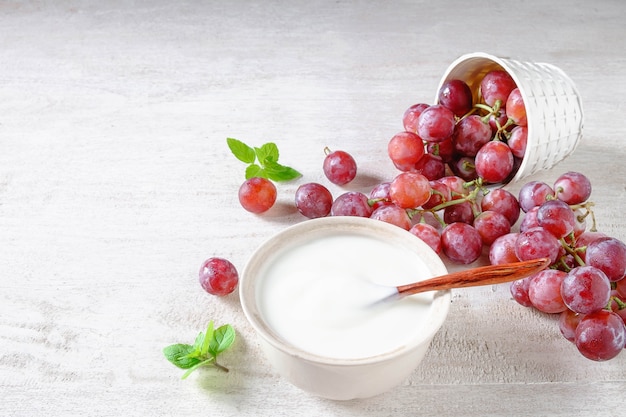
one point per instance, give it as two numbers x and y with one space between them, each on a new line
379 195
529 221
392 214
537 243
496 85
556 217
443 149
430 166
533 194
494 162
456 95
600 335
461 243
519 291
218 276
409 119
351 203
609 255
470 135
462 212
405 149
409 190
515 108
257 195
339 167
456 186
502 201
439 195
313 200
464 167
544 291
568 321
429 234
436 123
572 187
586 289
491 225
518 141
502 250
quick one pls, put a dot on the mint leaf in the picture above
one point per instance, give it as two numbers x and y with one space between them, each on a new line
278 172
222 339
254 170
179 355
267 153
241 151
207 339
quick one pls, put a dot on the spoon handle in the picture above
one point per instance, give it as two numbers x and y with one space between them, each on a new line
486 275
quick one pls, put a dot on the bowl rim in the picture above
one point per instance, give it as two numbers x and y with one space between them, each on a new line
321 226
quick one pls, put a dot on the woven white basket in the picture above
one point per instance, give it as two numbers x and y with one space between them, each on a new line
553 106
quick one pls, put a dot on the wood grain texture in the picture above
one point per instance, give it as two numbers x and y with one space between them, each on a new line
115 184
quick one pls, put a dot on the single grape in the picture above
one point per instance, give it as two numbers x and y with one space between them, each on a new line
409 119
379 195
529 221
456 185
471 134
600 335
461 212
491 225
456 95
405 149
339 167
392 214
461 243
440 194
409 190
533 194
502 201
430 166
313 200
494 162
515 108
502 250
464 167
496 85
519 291
620 288
586 289
443 149
351 203
568 321
609 255
257 195
572 188
584 240
556 217
218 276
518 141
537 243
429 234
436 123
544 291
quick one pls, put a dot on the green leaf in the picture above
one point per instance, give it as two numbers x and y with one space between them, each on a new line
267 153
181 355
223 338
207 339
241 151
197 365
278 172
254 170
197 345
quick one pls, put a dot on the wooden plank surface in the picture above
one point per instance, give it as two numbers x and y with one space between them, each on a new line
116 183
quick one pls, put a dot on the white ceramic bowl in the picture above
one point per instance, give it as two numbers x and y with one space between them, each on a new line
344 378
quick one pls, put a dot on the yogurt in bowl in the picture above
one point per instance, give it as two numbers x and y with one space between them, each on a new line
313 294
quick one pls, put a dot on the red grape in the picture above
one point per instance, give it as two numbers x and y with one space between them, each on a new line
461 243
409 190
470 135
503 202
502 250
600 335
464 167
494 162
339 167
409 119
556 217
392 214
218 276
443 149
456 96
537 243
530 220
461 212
257 195
405 149
351 203
379 196
429 234
491 225
313 200
544 291
568 321
609 255
519 291
436 123
586 289
515 108
430 166
496 85
440 194
572 188
534 193
518 141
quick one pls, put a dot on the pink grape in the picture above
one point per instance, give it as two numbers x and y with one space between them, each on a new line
257 195
435 123
461 243
218 276
379 195
600 335
586 289
534 193
491 225
572 188
515 108
568 321
430 166
313 200
530 220
609 255
544 291
502 201
409 119
409 190
496 85
537 243
405 149
392 214
519 291
470 135
456 185
556 217
456 95
339 167
518 141
351 203
429 234
502 250
494 162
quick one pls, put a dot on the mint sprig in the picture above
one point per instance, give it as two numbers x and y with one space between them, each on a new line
262 161
204 351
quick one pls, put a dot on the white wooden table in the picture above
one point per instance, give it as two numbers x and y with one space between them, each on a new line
116 183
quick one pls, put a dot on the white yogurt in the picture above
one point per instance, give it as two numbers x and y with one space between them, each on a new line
321 296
